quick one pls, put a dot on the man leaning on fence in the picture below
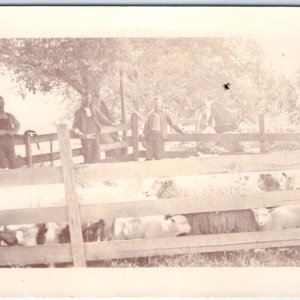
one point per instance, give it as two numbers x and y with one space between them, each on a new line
156 130
87 125
9 125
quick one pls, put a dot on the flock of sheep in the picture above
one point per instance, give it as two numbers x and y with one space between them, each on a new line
162 226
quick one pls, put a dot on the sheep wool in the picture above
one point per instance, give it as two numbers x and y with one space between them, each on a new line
150 227
282 217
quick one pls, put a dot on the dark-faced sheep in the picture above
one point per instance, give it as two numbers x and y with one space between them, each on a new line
8 237
208 222
150 227
90 233
271 182
278 218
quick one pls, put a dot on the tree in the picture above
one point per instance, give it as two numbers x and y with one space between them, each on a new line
42 64
185 72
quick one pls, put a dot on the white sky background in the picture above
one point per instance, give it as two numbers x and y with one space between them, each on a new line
277 29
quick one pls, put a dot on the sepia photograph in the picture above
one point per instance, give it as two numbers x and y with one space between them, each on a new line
149 139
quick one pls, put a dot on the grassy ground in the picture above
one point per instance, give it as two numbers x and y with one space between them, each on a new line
276 257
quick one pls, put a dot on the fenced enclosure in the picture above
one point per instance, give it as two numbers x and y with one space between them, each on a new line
78 252
130 140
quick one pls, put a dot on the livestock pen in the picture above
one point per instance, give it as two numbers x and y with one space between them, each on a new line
78 252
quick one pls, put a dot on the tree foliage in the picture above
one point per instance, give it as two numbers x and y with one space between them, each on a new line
185 72
42 64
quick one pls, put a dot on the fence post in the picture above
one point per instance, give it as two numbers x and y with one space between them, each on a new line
27 140
262 133
135 137
51 151
123 113
73 212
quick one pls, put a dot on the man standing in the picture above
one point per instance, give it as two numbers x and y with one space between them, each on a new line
100 109
9 125
87 125
156 130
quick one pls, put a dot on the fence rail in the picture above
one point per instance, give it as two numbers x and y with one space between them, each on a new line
150 247
275 161
233 137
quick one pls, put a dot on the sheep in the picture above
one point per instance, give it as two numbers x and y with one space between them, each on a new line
26 234
208 222
282 217
52 233
90 233
273 182
8 237
149 227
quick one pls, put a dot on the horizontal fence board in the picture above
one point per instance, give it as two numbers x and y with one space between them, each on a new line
188 205
42 254
33 215
174 154
47 137
28 176
192 244
188 154
288 137
213 137
55 156
117 145
123 158
232 137
111 129
277 161
18 255
19 140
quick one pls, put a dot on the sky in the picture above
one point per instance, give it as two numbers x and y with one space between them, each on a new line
277 30
283 53
36 112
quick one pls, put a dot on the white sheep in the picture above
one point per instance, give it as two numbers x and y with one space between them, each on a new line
150 227
32 235
281 217
26 234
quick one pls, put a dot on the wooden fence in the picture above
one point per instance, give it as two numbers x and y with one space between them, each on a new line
133 141
79 252
127 141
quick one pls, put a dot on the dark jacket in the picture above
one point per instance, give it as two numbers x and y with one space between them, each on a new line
165 119
81 119
101 114
9 122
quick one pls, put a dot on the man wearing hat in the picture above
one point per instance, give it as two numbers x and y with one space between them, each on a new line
9 125
156 131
